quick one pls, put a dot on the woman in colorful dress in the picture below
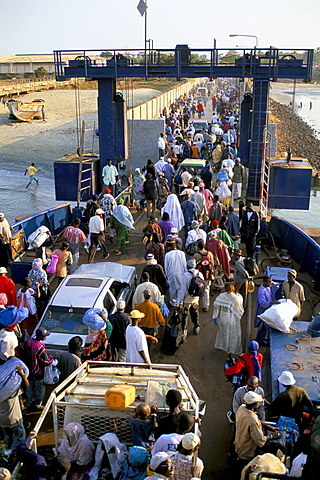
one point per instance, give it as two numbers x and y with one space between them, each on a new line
121 220
65 257
99 330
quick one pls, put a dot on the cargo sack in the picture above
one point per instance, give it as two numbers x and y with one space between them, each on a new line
280 316
172 335
38 237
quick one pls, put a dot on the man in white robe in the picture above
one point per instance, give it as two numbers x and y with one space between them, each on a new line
156 296
174 265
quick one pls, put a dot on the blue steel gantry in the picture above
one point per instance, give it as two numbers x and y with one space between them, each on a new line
260 65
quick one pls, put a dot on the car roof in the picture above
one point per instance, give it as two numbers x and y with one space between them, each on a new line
193 162
107 269
200 121
79 289
77 296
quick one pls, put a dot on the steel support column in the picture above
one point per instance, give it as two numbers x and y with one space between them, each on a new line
258 132
106 119
245 129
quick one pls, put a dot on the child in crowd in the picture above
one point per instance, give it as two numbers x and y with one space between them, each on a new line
142 426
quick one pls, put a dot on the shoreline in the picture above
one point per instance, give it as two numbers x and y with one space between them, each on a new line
292 131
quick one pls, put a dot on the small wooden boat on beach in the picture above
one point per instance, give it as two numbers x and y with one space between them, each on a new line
26 111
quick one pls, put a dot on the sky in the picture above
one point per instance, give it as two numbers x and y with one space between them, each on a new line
34 26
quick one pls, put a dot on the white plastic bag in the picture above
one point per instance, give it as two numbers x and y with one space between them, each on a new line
51 373
280 316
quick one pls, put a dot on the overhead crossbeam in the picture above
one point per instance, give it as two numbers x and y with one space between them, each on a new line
182 62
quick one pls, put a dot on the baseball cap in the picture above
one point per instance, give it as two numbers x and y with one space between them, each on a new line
149 256
286 378
3 270
174 230
42 332
1 215
252 397
196 188
190 441
99 211
159 458
215 223
147 293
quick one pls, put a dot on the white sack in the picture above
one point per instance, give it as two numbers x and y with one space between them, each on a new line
280 316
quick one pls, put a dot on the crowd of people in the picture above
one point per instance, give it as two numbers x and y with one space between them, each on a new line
191 246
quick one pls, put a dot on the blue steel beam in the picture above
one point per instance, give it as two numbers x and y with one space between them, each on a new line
181 63
262 65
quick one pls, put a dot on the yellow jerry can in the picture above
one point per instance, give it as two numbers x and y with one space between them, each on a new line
120 397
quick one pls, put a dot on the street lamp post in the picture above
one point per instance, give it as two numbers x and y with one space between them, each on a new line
242 35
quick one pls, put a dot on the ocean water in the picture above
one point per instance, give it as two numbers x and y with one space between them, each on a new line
311 115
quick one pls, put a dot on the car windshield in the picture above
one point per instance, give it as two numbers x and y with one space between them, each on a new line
65 320
194 170
200 125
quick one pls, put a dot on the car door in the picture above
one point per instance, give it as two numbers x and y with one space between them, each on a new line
120 290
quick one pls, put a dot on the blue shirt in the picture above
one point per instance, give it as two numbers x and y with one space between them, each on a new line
33 462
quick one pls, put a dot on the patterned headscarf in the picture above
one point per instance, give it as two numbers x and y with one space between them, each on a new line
38 275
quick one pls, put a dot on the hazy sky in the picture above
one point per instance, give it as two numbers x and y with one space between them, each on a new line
35 26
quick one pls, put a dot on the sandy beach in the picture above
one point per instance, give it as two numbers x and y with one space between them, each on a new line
42 143
56 136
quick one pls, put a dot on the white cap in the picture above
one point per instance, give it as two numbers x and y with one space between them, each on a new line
252 397
190 441
3 270
174 230
286 378
121 305
159 458
1 215
196 188
192 263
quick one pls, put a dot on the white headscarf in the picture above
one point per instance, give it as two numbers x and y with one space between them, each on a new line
75 445
173 209
122 213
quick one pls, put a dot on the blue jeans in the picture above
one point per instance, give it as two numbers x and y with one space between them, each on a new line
13 436
36 390
73 266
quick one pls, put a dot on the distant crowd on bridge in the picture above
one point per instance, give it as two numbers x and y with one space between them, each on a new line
191 245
